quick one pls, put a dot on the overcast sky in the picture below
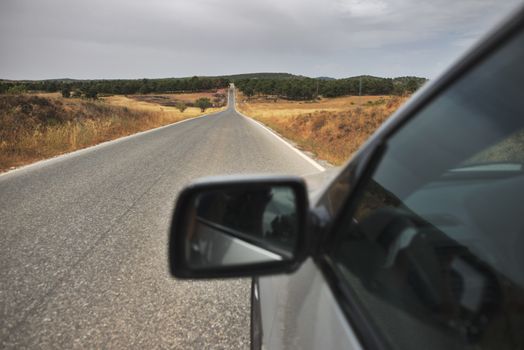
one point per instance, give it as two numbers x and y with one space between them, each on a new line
42 39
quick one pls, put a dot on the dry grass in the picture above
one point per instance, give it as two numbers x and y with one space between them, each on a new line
129 102
263 107
332 129
219 98
34 127
193 96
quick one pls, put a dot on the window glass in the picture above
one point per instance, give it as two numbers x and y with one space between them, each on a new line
435 249
266 215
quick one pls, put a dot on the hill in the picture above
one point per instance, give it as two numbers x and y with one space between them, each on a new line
260 76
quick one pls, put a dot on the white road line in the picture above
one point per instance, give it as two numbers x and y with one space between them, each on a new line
44 162
296 150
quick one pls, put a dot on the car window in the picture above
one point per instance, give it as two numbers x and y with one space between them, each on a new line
433 251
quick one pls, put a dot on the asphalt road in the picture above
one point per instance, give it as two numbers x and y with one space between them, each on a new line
83 241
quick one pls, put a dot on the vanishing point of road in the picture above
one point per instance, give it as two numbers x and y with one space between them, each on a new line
83 241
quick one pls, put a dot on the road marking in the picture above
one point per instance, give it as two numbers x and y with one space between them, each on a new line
54 159
296 150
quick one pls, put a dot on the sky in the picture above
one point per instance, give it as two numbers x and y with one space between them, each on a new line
109 39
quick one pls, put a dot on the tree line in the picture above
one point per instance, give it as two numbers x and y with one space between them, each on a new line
92 88
288 87
309 88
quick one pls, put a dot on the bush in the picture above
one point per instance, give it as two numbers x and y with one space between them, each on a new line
16 89
181 106
91 93
203 103
66 93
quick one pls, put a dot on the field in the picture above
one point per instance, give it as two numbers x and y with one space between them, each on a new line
219 98
136 103
331 128
40 126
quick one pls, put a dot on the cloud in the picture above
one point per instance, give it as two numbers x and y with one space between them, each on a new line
362 8
131 39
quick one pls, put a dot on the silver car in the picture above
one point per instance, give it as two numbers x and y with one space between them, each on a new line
417 243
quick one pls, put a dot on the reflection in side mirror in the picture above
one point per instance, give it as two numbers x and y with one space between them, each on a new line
238 226
223 226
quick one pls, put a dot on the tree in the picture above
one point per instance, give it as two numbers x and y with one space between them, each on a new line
249 91
144 89
66 92
91 93
203 103
3 87
16 89
76 93
181 106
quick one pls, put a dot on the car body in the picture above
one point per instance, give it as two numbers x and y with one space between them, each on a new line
416 243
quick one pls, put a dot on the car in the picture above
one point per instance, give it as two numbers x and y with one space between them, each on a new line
418 241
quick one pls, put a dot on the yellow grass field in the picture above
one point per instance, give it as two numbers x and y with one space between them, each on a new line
261 107
331 128
40 126
136 105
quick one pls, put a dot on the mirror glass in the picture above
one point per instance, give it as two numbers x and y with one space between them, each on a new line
238 225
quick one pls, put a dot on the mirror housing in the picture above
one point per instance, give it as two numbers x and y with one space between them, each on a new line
239 226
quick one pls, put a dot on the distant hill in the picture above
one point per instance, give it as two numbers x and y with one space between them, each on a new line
263 75
60 80
260 76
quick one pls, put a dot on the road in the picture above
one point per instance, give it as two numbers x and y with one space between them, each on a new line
83 241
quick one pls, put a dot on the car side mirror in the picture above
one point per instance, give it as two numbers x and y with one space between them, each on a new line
239 226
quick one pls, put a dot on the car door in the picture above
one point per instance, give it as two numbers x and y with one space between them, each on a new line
426 249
